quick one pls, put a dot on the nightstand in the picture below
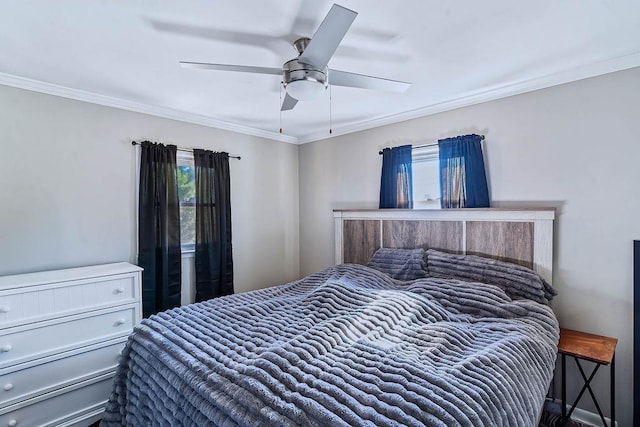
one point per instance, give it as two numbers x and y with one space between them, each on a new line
594 348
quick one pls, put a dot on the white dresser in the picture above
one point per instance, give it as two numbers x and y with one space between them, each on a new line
61 333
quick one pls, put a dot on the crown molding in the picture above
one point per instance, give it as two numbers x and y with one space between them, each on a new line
108 101
590 70
594 69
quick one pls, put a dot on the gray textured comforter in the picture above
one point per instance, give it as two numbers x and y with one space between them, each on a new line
346 346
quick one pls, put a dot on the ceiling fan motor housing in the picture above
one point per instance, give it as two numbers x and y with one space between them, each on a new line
303 81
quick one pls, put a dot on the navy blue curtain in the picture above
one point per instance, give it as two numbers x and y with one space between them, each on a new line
396 183
463 181
213 255
159 251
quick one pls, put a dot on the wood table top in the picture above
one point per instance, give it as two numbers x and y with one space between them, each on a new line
596 348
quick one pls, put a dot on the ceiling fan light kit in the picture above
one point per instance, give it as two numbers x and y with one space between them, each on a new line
305 89
303 81
307 76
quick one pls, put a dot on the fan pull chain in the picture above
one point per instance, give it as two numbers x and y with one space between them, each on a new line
280 106
330 114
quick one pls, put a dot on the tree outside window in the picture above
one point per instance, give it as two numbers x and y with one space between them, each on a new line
187 200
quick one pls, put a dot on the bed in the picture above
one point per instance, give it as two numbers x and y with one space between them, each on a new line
437 318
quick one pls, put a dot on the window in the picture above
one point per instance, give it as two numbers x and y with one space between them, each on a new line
187 200
426 177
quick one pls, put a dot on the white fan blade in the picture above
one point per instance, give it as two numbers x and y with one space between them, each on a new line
325 41
343 78
288 103
225 67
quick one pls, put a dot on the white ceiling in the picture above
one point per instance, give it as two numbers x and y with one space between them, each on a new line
125 54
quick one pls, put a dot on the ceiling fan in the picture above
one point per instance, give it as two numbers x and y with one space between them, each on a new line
307 75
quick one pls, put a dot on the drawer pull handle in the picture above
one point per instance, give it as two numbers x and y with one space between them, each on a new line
119 290
6 348
5 309
120 322
12 423
7 386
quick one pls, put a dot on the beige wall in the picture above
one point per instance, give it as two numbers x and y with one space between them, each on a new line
68 174
68 189
574 146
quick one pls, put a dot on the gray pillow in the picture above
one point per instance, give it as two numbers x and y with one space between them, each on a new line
517 281
400 264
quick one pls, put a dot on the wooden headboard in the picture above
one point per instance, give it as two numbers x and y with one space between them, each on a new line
521 236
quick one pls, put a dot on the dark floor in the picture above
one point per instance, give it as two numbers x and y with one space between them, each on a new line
551 417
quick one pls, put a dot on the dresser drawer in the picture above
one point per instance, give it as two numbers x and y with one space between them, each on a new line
26 380
36 340
61 407
41 302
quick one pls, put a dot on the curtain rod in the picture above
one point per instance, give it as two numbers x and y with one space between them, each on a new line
188 150
430 144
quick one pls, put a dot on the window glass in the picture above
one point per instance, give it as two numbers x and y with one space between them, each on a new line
187 199
426 177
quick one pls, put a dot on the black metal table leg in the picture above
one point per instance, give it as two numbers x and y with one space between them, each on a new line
613 390
587 387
